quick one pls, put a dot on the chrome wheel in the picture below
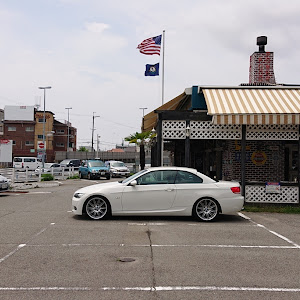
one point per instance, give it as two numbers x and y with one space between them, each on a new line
206 209
96 208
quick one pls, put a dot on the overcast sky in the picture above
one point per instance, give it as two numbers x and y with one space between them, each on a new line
86 51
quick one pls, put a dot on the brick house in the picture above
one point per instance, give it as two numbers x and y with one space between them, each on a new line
248 133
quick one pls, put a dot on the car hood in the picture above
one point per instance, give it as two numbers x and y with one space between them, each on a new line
101 187
99 168
120 168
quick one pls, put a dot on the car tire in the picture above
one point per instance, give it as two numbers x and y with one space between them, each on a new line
97 208
89 176
107 176
80 175
206 210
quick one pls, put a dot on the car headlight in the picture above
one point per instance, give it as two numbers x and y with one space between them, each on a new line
78 195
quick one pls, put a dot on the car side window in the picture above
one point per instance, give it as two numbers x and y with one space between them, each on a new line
157 177
187 177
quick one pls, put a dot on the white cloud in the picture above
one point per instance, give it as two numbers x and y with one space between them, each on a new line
96 27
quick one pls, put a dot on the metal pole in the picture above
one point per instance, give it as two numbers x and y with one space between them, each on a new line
163 70
44 122
93 131
68 140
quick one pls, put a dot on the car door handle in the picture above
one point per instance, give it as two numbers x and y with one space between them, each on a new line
169 190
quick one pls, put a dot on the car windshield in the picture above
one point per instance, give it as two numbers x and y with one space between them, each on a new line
96 163
117 164
133 176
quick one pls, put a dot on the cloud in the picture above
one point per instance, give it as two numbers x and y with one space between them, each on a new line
96 27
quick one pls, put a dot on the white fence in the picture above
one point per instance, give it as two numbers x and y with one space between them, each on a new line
32 176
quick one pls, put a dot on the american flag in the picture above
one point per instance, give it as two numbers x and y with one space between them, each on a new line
150 46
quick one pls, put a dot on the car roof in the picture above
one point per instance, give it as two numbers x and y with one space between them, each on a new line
173 168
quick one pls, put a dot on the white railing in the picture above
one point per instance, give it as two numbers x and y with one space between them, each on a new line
32 176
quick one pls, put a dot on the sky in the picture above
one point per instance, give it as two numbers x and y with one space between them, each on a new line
86 50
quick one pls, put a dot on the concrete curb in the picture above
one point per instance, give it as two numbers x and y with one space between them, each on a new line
33 185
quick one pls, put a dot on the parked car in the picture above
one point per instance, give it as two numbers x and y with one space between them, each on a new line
4 183
174 191
94 168
29 163
117 168
70 163
50 168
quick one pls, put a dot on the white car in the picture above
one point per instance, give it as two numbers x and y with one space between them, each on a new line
117 168
4 183
160 191
49 168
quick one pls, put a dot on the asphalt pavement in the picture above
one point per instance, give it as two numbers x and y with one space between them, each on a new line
48 253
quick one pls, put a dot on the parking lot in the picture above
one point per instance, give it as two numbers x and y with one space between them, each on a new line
48 253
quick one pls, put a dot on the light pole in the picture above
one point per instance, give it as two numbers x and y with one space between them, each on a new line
44 121
93 130
98 137
143 108
68 142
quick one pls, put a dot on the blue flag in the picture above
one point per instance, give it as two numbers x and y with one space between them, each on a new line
152 70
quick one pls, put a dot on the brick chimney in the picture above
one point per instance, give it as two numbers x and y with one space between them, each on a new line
261 65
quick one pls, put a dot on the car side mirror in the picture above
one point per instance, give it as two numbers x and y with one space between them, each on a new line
133 183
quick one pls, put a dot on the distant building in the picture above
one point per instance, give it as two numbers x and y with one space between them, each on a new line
24 125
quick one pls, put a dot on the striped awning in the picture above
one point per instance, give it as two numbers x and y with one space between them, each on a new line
253 105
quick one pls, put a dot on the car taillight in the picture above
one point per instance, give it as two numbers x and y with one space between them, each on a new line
236 190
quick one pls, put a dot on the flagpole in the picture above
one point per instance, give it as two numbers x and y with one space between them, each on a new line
163 70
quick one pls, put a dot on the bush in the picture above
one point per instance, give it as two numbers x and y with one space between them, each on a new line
47 177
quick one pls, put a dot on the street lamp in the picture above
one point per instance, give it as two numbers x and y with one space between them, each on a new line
143 108
93 130
68 142
44 121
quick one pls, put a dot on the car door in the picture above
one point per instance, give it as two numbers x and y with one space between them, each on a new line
84 169
190 187
155 191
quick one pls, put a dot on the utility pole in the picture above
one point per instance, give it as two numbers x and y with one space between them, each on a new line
93 129
143 108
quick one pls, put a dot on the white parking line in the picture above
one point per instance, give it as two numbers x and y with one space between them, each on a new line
156 289
271 231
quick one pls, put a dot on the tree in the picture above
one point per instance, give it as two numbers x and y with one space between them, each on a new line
141 139
83 149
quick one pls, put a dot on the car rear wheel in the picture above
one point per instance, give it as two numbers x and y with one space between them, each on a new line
206 209
97 208
108 176
89 176
80 175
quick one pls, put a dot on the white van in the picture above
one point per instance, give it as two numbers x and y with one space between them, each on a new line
29 163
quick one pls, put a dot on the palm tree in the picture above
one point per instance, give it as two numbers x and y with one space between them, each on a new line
141 139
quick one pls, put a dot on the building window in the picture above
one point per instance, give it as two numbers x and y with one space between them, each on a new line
13 142
29 143
60 131
40 137
30 128
60 144
11 128
41 120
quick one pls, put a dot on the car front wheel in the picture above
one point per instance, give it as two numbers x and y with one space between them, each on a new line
206 209
97 208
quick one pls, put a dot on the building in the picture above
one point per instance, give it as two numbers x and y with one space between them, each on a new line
24 125
247 133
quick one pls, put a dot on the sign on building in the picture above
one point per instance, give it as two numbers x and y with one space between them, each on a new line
5 150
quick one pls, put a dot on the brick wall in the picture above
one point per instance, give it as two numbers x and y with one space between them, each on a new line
264 161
